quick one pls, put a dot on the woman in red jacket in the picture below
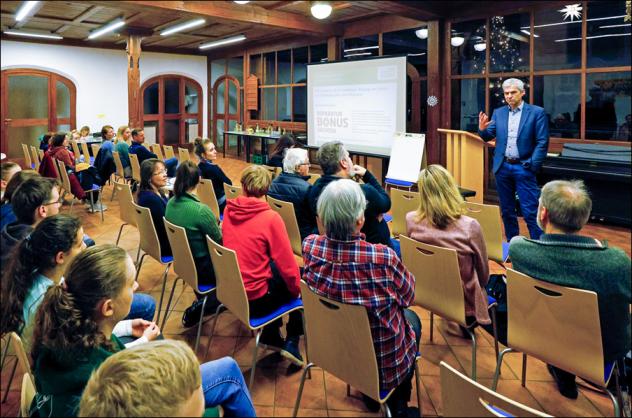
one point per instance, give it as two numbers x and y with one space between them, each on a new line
59 150
264 253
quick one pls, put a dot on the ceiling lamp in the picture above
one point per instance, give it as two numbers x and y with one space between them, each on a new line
113 25
182 26
26 8
242 2
480 47
422 33
321 9
224 41
457 40
46 35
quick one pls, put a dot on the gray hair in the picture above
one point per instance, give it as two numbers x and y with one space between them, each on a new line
568 204
293 158
339 207
329 155
513 82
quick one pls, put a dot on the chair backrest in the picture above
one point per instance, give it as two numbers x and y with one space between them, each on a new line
313 177
464 397
438 286
149 242
286 210
183 263
133 160
86 152
40 152
95 149
75 149
206 193
402 203
488 216
232 191
27 157
155 148
230 286
20 352
62 171
556 324
27 394
168 151
126 203
146 145
35 157
275 171
120 171
184 155
352 358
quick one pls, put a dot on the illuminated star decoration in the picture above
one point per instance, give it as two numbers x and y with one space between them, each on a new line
574 11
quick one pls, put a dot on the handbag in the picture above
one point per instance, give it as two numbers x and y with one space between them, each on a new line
497 288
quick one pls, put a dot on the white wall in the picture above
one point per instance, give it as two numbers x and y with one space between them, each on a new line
100 76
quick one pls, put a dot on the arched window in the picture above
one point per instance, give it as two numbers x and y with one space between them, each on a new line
33 103
172 109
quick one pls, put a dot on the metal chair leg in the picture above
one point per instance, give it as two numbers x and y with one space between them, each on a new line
418 380
162 294
498 366
472 333
199 328
300 389
431 325
524 370
138 266
118 237
6 392
253 367
218 312
173 288
495 329
387 410
309 373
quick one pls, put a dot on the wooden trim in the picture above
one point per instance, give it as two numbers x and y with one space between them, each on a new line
582 88
433 114
379 24
556 144
608 69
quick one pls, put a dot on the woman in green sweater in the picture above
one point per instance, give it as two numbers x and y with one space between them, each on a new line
186 210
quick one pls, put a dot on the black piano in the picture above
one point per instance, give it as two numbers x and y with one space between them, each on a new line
605 169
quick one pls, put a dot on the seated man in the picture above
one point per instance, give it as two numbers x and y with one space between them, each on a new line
342 266
131 383
564 257
292 186
137 147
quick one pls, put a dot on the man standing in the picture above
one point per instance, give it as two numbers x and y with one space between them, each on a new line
522 139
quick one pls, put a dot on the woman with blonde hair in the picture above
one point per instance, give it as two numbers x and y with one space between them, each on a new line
207 154
123 137
440 221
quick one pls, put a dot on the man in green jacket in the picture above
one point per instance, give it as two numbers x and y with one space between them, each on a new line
564 257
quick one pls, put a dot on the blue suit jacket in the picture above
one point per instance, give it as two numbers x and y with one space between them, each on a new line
533 136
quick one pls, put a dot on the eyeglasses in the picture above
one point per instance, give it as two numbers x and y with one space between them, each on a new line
307 164
159 173
60 201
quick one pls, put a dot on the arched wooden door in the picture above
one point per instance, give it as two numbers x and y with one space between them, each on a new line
34 102
226 111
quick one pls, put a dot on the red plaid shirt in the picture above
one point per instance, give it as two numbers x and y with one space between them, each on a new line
371 275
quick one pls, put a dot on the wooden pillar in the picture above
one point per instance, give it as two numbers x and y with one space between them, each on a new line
433 145
333 49
133 81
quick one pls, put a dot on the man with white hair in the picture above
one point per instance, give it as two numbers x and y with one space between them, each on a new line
522 139
292 186
342 266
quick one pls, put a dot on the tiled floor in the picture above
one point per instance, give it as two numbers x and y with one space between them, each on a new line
276 382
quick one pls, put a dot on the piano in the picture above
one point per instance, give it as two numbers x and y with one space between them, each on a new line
605 169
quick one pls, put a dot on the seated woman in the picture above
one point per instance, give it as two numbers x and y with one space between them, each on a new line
440 221
153 179
285 142
45 140
292 186
107 136
73 332
7 216
83 133
270 273
206 152
123 138
59 150
185 210
8 169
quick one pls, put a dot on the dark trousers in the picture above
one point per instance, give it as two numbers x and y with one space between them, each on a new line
277 296
206 276
512 179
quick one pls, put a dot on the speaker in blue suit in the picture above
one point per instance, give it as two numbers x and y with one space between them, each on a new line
522 139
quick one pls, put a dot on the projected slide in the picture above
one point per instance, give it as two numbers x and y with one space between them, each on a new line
361 103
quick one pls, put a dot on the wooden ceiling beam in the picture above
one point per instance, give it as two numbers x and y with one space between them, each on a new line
242 13
420 10
83 16
60 22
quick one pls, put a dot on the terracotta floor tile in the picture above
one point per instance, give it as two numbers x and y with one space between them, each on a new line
244 350
536 369
427 408
302 412
600 400
553 403
433 390
337 413
220 347
337 395
229 325
432 355
190 339
485 362
437 337
264 387
313 393
513 390
264 411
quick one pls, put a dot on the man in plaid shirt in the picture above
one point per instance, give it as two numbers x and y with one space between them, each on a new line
346 268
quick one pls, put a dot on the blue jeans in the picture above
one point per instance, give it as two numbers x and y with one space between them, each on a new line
171 164
143 307
223 384
512 178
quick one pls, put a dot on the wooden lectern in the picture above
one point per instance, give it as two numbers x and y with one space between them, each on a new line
465 159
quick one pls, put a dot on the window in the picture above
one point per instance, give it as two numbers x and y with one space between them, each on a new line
468 44
608 106
509 43
559 95
406 42
608 34
468 99
362 47
556 45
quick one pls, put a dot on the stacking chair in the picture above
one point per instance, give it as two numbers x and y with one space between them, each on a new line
27 394
168 151
155 148
438 287
149 243
146 145
27 157
488 216
75 150
232 295
119 173
398 183
313 177
126 208
21 358
66 182
232 191
206 193
463 397
560 326
352 357
402 202
35 158
40 152
184 155
275 171
86 154
133 159
95 150
286 210
184 266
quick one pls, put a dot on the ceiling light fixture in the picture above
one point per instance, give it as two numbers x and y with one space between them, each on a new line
358 54
361 49
27 6
416 55
422 33
321 9
113 25
224 41
609 35
457 40
526 32
182 26
46 35
480 47
242 1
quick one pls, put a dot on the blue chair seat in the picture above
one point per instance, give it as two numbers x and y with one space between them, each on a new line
257 322
221 217
167 259
32 166
91 160
609 367
490 300
499 411
95 188
399 182
203 287
388 217
505 251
